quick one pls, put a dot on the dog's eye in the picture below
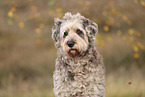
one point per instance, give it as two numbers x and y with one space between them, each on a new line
78 31
65 34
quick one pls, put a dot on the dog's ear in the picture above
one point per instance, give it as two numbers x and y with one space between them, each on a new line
56 32
90 26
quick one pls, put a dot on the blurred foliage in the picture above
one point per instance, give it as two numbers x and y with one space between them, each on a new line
112 18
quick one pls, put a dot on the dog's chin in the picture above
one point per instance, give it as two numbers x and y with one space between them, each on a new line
73 53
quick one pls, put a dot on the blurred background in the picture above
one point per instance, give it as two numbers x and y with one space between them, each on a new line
27 52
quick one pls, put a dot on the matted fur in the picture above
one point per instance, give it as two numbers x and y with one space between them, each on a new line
83 75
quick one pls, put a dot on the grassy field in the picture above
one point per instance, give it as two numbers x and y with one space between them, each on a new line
27 52
118 84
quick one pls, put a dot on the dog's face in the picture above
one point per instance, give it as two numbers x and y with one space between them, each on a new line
73 34
73 37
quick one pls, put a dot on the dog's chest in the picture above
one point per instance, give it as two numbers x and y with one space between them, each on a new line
77 71
79 78
82 77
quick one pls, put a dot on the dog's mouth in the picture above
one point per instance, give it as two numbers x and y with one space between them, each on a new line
73 52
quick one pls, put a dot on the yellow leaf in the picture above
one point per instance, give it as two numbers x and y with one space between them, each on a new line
10 14
38 41
106 28
136 56
37 30
113 11
13 9
143 4
59 10
124 18
21 24
87 3
34 8
138 44
131 31
135 48
129 22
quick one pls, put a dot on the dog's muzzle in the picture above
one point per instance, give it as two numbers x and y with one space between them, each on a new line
72 51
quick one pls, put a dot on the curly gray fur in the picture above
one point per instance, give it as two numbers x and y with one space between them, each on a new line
83 76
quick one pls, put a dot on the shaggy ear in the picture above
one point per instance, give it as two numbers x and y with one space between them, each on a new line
56 32
90 26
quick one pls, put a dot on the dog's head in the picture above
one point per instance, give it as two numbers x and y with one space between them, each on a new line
74 34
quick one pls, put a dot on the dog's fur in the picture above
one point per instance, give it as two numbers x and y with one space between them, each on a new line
79 69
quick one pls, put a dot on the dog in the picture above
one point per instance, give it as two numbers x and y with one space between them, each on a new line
79 69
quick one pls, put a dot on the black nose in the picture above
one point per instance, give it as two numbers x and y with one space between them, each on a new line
70 43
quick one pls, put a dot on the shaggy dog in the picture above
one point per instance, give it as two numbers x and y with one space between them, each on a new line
79 69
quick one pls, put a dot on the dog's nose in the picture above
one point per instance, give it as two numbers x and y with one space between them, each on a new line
70 43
